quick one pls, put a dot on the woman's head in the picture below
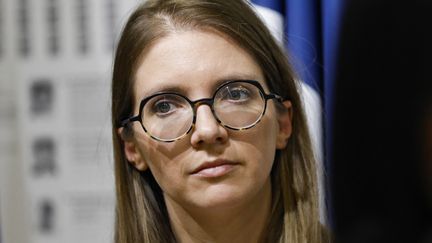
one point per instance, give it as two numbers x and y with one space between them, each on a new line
192 47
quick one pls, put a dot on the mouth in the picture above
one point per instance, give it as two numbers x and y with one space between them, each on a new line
216 168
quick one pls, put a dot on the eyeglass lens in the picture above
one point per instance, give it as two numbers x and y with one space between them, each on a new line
237 105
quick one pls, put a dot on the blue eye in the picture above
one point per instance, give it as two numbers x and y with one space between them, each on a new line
163 107
237 94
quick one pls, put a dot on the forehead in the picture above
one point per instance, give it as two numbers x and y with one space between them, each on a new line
192 61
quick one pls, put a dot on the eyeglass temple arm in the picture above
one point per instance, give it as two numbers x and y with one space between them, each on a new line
275 96
128 120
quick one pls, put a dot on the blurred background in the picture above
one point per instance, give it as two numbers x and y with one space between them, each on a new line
56 171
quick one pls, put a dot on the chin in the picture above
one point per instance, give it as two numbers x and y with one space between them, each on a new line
223 196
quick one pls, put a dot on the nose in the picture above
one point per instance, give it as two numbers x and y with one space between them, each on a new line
207 129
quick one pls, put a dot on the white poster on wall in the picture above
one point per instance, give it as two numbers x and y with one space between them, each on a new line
55 119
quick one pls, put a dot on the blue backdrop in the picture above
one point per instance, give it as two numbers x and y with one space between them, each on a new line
310 35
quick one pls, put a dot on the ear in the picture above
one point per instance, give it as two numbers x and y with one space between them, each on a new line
285 125
132 151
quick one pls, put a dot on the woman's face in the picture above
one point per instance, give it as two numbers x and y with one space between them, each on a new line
212 166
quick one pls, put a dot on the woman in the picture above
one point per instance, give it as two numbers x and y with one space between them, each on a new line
210 139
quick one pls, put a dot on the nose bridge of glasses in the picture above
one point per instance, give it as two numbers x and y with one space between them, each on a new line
204 101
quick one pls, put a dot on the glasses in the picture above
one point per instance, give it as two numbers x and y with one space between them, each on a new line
237 105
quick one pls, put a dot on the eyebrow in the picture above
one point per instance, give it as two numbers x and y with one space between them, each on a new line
175 88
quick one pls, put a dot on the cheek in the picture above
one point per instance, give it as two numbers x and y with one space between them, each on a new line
268 142
159 153
259 142
264 133
162 160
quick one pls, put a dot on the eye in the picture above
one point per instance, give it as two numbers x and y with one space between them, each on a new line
236 94
165 106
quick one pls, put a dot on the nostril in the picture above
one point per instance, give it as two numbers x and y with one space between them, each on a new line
217 140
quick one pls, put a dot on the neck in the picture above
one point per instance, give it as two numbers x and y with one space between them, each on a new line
244 222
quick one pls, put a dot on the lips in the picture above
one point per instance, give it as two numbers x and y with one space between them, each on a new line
214 168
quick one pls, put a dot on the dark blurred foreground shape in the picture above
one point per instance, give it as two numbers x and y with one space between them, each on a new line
382 163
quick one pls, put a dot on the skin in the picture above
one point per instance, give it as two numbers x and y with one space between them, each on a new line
232 207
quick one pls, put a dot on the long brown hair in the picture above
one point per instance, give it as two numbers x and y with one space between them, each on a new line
140 210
